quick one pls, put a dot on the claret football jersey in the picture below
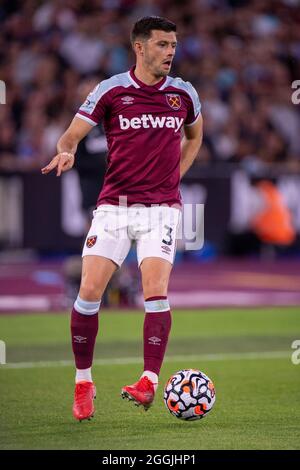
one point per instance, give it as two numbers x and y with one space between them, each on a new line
143 128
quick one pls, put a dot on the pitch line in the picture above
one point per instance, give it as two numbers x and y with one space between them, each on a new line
137 360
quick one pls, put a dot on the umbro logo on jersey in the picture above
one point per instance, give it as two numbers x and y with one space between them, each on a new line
127 99
147 120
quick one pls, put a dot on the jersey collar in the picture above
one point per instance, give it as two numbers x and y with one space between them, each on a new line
139 84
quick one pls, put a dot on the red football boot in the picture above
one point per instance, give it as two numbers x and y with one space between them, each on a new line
142 392
83 406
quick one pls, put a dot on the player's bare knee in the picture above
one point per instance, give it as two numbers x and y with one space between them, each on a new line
155 287
90 292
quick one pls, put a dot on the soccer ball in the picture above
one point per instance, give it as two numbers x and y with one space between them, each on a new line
189 394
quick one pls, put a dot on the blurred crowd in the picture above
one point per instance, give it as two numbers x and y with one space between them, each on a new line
242 57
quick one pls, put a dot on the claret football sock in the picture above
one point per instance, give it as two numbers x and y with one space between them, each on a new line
84 329
157 326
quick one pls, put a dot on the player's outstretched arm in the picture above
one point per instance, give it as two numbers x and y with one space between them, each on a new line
190 145
67 146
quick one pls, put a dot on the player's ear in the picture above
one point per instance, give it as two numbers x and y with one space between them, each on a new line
138 48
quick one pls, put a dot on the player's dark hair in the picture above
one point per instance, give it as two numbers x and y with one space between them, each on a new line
143 27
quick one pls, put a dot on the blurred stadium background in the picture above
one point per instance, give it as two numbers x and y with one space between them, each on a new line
243 57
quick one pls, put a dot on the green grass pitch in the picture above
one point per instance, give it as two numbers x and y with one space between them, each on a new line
247 354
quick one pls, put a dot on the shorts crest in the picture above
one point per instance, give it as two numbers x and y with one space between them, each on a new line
91 241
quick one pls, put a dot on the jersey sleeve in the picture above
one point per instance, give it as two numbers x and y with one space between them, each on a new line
95 106
194 108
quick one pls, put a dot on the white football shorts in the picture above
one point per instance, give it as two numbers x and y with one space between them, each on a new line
115 227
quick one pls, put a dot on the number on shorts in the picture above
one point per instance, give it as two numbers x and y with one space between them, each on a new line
168 235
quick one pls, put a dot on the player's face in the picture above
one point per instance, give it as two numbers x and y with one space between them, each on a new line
159 51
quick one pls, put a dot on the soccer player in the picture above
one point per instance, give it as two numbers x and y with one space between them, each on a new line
153 126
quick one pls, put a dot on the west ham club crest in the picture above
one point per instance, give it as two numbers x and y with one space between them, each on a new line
173 100
91 241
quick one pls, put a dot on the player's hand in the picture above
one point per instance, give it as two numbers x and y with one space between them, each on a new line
62 162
